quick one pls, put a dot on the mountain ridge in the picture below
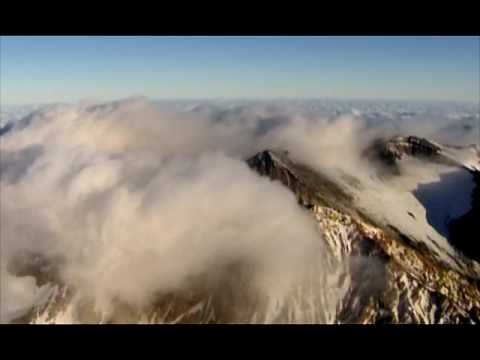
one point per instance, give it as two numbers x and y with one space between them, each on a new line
409 265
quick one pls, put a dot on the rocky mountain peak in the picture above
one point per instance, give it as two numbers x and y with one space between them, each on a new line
415 285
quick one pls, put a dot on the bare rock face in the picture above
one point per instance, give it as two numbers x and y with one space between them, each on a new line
414 146
310 187
393 150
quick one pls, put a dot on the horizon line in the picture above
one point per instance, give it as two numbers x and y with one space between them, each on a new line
245 98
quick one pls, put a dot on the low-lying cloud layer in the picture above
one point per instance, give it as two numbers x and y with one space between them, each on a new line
138 201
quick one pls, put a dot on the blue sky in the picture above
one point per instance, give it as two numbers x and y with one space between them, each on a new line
51 69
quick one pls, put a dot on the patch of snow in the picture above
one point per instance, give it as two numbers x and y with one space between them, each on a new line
419 203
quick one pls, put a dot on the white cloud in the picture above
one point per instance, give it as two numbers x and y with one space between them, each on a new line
138 201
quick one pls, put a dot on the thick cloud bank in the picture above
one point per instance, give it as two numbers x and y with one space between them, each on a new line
138 200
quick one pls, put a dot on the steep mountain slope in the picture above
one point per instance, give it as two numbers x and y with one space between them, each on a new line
394 277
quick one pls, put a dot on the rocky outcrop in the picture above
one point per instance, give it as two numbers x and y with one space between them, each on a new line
392 150
412 145
311 188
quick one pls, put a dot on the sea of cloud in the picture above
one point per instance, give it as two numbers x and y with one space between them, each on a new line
138 198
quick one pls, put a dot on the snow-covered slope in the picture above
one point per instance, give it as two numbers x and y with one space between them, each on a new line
418 275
